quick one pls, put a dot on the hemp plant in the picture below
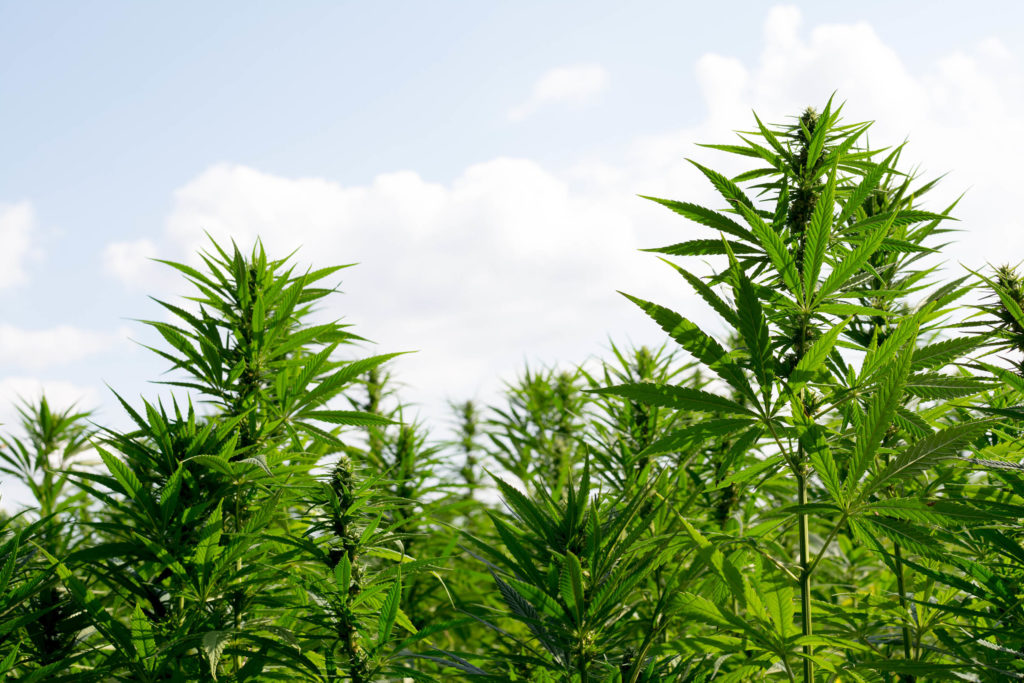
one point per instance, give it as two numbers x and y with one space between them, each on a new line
837 387
200 508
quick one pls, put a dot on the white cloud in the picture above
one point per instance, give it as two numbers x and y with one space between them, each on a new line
579 84
508 258
17 222
960 114
59 394
512 258
60 345
130 262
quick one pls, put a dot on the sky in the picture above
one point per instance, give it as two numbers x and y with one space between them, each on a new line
479 161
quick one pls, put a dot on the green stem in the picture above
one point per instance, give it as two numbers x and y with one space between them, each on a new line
908 678
805 574
827 543
236 661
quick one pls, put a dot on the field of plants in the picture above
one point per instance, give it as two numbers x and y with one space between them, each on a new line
831 491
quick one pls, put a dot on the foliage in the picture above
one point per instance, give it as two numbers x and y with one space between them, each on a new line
817 478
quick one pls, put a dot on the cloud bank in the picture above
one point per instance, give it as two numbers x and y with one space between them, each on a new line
512 260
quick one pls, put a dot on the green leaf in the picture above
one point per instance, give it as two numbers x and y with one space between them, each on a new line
776 250
388 612
819 233
917 457
778 602
350 418
142 635
820 455
130 484
853 262
907 534
701 609
214 463
707 217
709 295
702 248
214 643
807 367
863 190
729 190
698 343
874 425
7 571
7 665
343 574
815 145
748 473
209 538
933 386
941 353
753 328
905 333
771 138
694 435
575 571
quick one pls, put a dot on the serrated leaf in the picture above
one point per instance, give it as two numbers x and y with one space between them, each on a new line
807 367
699 344
209 538
575 572
709 295
214 463
874 425
748 473
214 643
702 248
352 418
389 610
130 484
142 635
917 457
343 574
776 250
706 217
941 353
753 328
819 231
934 386
694 435
846 267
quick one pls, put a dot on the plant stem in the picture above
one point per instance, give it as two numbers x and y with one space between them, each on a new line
805 574
909 678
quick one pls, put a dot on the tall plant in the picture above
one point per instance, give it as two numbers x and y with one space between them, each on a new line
830 373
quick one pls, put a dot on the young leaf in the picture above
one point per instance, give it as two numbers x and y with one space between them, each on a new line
874 425
819 232
388 612
214 643
702 346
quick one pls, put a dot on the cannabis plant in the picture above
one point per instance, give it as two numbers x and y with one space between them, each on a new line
846 397
831 490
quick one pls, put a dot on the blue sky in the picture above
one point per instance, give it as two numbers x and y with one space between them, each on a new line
479 160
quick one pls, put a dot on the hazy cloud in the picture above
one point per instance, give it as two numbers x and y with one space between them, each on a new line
576 85
17 222
60 345
131 262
